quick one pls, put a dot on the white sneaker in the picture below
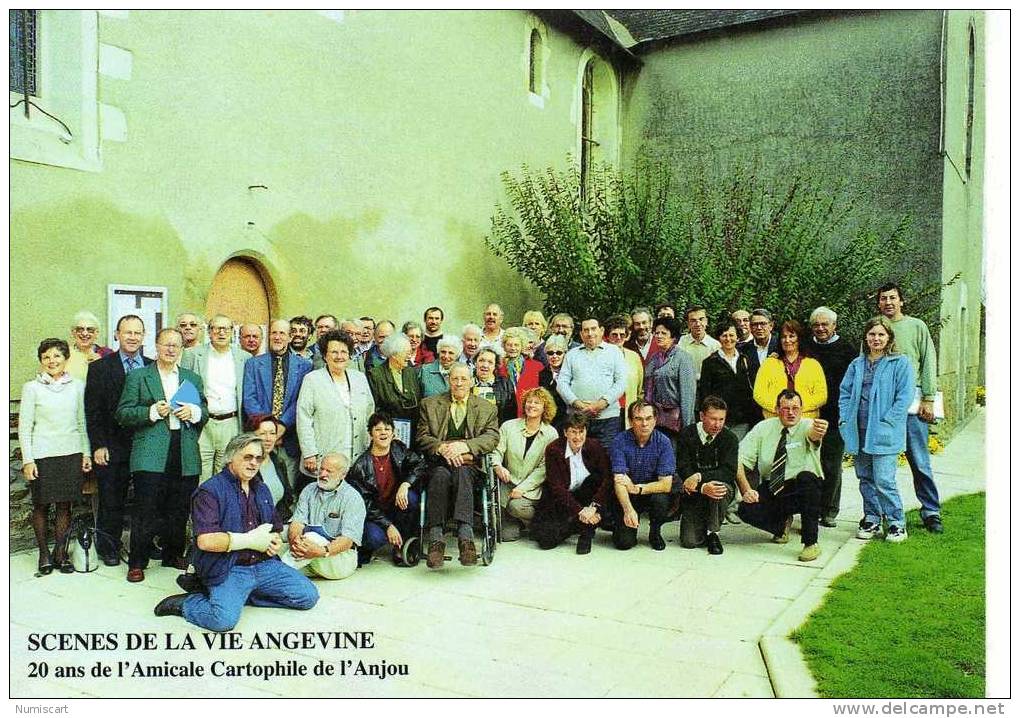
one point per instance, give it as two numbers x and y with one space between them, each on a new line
895 534
867 530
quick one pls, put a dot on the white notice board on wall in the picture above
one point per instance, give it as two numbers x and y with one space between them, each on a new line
149 303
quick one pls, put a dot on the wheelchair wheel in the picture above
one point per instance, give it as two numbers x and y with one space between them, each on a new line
488 545
410 552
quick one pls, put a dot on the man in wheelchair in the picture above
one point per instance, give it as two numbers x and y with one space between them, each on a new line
455 430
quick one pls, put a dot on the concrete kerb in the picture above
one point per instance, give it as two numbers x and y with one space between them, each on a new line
784 662
787 670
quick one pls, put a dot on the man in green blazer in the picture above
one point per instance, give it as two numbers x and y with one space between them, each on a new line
165 461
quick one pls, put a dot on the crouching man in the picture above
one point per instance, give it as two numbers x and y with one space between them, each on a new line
236 546
328 522
786 453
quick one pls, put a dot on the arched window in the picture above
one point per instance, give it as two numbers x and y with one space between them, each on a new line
535 62
970 101
598 120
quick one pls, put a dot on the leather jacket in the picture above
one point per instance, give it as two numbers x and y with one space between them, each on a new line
407 465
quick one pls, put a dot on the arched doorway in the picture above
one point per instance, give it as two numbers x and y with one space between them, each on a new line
243 291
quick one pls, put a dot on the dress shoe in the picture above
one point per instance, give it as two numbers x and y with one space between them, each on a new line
468 553
510 531
135 575
66 566
584 544
190 582
179 563
45 565
171 605
111 560
933 524
714 544
828 522
656 541
436 555
156 553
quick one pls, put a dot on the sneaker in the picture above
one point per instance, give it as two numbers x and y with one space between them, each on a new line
784 537
810 553
867 530
510 531
731 515
895 534
933 524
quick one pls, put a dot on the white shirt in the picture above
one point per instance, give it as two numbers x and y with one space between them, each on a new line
221 383
578 471
732 362
698 349
171 382
646 346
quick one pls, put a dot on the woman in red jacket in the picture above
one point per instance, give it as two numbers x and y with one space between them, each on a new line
521 372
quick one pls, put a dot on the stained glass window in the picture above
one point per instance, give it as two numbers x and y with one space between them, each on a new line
23 51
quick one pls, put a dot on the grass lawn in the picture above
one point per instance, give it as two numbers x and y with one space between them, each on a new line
909 620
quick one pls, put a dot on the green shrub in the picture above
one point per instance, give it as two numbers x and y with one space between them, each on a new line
644 236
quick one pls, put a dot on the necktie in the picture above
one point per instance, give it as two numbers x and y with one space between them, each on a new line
458 412
278 387
131 364
778 475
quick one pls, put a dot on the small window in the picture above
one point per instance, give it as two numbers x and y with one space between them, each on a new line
970 103
23 51
588 142
535 63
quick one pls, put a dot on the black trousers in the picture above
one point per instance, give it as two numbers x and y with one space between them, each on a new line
450 487
832 471
113 481
162 501
657 506
800 496
553 525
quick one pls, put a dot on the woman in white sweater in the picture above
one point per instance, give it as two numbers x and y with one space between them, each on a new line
55 448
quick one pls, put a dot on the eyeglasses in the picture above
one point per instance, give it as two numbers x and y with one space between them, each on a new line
219 329
188 324
86 330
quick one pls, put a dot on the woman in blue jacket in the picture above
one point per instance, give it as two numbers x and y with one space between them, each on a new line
873 400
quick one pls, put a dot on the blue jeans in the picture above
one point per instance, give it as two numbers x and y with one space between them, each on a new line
604 430
406 521
268 583
920 466
876 474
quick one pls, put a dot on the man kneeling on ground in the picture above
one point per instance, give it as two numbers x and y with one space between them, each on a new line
707 463
237 542
577 487
786 452
328 522
643 466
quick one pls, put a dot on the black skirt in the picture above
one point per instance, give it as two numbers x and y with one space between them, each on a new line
59 480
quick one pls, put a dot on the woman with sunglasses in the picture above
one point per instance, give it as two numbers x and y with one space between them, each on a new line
555 349
84 346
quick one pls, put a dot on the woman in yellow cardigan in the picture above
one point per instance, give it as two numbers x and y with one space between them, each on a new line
791 369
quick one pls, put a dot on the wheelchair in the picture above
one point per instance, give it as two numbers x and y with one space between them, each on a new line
487 513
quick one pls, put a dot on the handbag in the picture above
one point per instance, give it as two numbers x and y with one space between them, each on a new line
81 547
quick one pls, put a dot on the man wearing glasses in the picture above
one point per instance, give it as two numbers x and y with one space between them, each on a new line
190 328
221 367
763 344
84 348
165 461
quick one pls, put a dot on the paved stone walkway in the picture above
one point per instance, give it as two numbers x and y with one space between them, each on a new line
679 623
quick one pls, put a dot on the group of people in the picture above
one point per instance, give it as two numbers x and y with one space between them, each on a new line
312 455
